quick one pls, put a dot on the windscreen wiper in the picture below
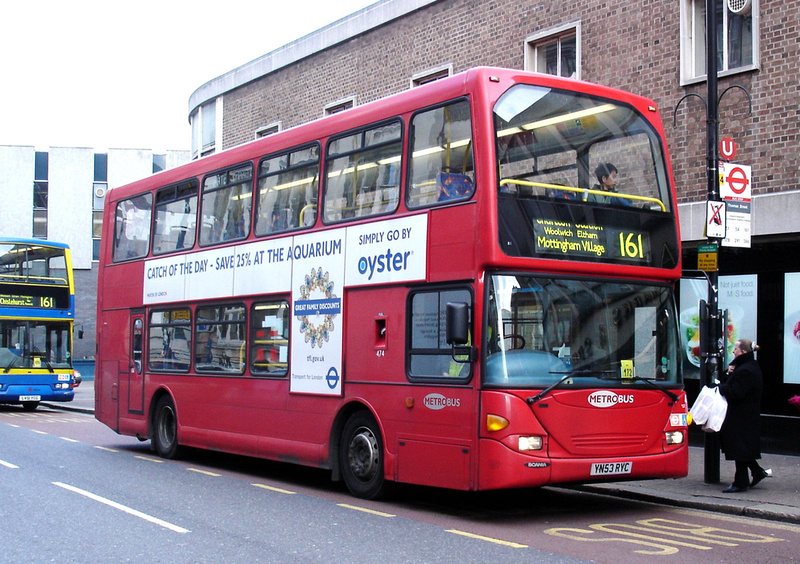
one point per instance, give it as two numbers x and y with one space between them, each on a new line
650 383
585 373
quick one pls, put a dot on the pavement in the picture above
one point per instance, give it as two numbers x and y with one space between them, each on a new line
776 498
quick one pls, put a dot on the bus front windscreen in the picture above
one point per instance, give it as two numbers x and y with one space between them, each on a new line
581 178
34 344
588 333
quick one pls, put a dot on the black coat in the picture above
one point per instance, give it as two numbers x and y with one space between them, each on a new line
741 432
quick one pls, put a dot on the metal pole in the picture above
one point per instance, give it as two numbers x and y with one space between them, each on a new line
714 362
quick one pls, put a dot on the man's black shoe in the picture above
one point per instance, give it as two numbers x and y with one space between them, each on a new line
764 474
734 489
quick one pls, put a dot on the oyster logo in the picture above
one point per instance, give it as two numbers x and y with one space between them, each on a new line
438 401
607 398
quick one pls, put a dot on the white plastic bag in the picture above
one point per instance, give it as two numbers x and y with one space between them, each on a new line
702 405
716 416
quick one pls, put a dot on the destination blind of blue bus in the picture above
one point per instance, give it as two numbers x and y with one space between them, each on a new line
590 240
14 300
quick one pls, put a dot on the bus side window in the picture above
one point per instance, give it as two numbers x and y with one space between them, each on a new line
132 227
226 205
362 177
175 218
442 168
287 191
269 338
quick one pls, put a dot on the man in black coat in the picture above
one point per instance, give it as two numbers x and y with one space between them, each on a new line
740 434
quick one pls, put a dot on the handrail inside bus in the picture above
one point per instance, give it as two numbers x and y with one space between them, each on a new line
584 191
32 278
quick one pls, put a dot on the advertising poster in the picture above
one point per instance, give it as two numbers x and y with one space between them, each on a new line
317 305
791 327
738 294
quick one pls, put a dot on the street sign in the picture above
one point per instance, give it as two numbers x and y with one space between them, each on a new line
707 258
715 220
736 189
727 149
734 182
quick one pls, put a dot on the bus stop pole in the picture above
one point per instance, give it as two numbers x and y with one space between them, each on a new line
713 362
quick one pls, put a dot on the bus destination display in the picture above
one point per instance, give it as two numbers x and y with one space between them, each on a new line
574 240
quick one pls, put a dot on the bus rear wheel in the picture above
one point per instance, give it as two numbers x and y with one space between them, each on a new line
361 457
165 428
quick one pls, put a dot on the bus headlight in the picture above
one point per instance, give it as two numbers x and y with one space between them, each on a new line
674 437
529 443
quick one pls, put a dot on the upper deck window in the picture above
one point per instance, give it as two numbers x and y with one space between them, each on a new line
227 201
25 263
442 169
176 218
132 227
363 173
595 167
287 191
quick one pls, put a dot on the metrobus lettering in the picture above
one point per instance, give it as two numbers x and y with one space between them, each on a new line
438 401
383 262
607 398
314 250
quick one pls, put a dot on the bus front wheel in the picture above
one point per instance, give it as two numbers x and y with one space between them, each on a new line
165 428
361 456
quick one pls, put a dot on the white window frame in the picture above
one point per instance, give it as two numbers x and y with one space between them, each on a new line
198 121
546 36
339 106
431 75
690 59
268 129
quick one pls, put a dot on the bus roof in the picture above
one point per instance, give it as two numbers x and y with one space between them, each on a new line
461 84
33 242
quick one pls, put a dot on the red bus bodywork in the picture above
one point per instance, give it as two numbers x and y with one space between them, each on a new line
421 431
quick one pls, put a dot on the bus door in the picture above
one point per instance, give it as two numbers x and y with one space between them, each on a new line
135 375
436 446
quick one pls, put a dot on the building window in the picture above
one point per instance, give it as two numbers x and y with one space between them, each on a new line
555 51
40 193
431 75
269 129
736 36
204 129
99 189
339 106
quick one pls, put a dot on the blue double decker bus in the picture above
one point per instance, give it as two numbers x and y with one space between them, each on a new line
37 312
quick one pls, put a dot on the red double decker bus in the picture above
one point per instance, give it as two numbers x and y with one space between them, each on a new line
444 287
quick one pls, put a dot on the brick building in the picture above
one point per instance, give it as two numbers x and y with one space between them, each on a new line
655 48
